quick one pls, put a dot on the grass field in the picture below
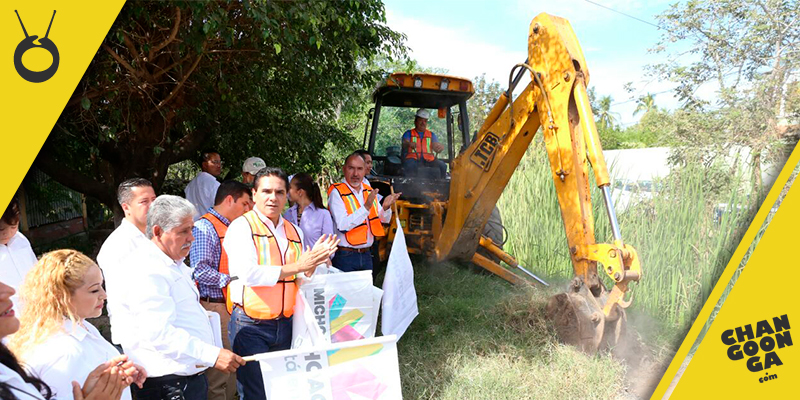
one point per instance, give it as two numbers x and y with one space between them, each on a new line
477 337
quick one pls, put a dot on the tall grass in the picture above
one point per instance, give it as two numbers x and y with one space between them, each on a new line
478 338
682 244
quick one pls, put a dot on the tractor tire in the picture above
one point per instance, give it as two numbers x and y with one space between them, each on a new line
493 230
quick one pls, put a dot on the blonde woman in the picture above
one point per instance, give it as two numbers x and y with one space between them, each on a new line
55 341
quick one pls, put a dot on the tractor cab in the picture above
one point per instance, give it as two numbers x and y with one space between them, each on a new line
396 103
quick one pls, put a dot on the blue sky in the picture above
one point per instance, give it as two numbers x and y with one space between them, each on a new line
471 37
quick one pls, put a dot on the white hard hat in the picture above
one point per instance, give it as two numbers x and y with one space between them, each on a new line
423 113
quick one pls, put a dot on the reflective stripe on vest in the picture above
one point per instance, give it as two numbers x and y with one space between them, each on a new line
419 147
222 265
358 235
270 302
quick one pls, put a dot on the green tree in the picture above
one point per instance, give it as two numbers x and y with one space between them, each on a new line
485 97
246 77
605 117
749 50
645 104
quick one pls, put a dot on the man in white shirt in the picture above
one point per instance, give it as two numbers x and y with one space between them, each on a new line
171 335
203 188
134 196
265 253
16 254
357 216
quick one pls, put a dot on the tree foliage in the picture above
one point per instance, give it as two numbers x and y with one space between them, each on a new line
486 95
246 77
751 51
645 104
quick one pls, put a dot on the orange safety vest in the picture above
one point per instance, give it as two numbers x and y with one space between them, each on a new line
358 235
421 148
271 302
221 229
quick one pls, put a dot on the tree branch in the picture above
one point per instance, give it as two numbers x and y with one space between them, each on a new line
188 144
180 84
119 59
171 66
171 37
91 94
70 178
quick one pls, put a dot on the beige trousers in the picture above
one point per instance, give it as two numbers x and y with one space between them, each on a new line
221 385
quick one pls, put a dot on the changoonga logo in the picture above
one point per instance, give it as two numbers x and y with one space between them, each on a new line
764 342
30 42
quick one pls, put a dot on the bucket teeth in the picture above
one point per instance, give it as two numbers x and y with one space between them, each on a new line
578 318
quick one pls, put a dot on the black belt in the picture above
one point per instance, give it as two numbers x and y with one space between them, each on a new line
169 378
352 250
211 299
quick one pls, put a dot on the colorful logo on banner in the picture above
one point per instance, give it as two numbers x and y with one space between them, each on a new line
343 326
368 371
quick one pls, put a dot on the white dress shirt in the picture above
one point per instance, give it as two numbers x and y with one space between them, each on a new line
201 192
170 332
21 389
243 259
115 250
70 356
16 259
343 222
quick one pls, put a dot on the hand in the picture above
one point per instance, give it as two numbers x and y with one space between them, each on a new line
94 377
139 375
109 385
390 199
371 198
408 146
437 147
325 247
228 361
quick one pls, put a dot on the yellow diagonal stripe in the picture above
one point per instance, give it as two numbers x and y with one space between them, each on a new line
346 319
30 110
353 353
770 266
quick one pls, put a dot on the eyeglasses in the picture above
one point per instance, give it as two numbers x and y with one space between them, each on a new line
215 162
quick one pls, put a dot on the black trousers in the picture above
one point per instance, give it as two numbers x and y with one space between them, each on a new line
172 387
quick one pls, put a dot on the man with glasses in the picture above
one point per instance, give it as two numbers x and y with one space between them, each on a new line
203 188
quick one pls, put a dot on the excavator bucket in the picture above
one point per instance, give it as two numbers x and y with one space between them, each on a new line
579 320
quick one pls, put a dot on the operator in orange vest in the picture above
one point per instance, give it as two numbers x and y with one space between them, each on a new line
420 147
265 256
210 269
357 216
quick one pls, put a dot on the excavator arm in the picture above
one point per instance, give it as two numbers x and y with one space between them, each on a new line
556 103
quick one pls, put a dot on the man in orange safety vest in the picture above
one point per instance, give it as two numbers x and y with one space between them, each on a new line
265 256
420 146
357 216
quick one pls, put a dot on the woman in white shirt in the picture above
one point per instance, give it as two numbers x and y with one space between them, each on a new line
16 255
55 341
106 382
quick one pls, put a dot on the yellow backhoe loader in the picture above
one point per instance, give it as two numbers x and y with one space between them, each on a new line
455 216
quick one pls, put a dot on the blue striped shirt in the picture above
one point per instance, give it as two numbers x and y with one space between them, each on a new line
204 258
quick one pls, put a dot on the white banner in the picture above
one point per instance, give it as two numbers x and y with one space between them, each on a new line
342 306
354 370
399 295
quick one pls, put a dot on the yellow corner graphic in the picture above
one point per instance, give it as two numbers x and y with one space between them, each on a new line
48 46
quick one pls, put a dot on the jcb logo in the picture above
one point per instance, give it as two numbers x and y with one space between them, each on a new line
484 153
